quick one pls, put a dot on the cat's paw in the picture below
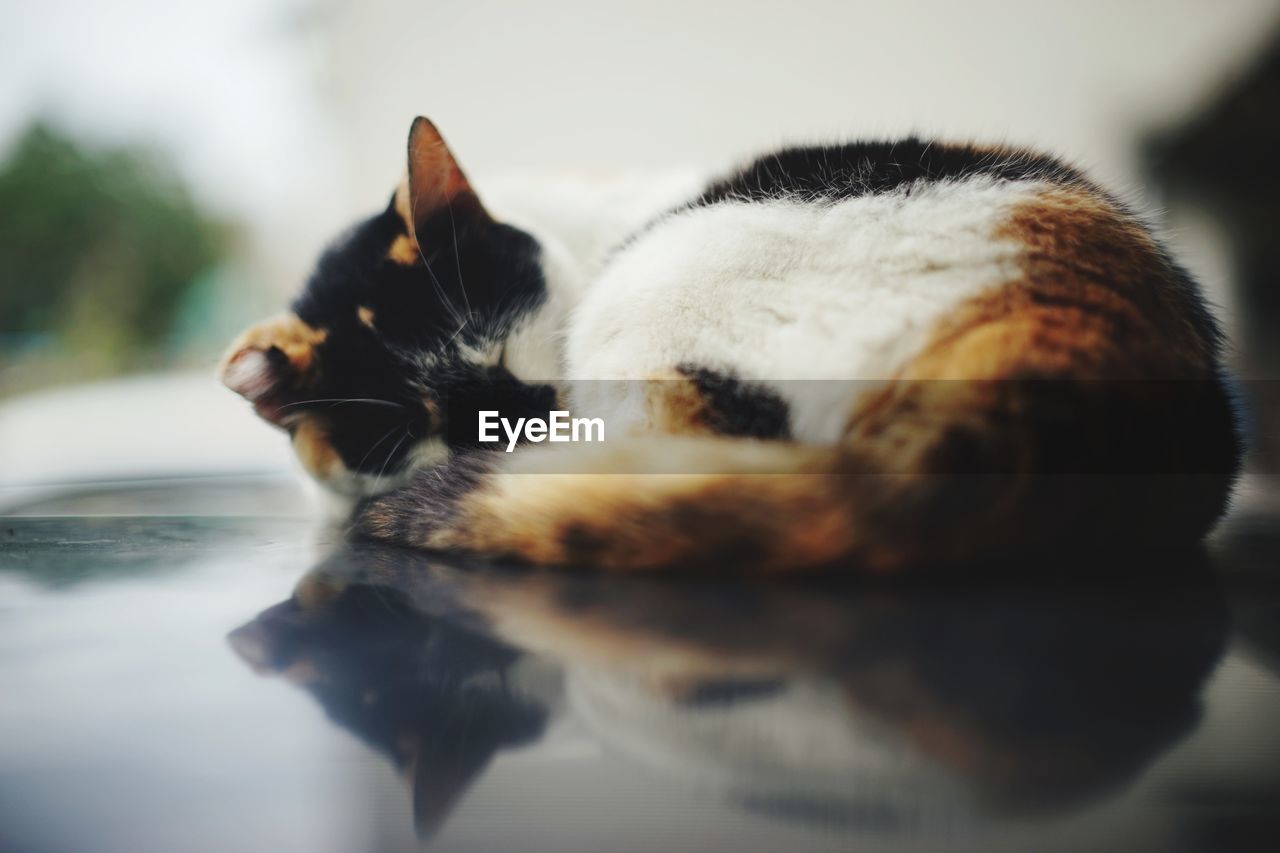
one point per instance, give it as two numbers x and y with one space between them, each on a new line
353 430
423 512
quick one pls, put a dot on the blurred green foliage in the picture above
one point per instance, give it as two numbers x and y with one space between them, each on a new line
99 249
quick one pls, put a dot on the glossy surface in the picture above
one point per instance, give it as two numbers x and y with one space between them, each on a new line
195 683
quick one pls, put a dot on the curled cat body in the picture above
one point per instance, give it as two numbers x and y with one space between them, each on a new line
878 356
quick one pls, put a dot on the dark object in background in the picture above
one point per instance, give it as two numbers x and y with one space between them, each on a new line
1224 160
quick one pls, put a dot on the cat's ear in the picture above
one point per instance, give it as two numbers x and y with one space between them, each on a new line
440 770
271 363
436 182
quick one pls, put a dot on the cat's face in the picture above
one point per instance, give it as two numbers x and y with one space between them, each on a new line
398 335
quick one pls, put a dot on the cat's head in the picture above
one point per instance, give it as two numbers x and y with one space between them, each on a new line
377 368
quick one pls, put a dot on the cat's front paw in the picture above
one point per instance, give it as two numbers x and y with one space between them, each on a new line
423 512
356 427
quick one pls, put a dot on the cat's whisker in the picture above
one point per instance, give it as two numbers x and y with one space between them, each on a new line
377 480
458 260
337 401
385 436
460 328
439 288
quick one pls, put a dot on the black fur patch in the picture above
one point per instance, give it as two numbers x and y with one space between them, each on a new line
581 543
470 268
723 692
476 280
738 408
838 172
831 173
496 390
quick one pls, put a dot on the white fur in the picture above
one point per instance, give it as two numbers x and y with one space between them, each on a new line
577 220
787 290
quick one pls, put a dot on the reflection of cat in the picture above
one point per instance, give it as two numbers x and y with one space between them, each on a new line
429 693
855 704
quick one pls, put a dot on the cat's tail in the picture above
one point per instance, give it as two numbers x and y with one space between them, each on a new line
983 481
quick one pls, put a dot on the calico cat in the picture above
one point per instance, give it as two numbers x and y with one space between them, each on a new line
884 354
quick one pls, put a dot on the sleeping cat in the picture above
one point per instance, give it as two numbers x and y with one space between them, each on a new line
885 354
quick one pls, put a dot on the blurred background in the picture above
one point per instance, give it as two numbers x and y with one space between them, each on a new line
168 170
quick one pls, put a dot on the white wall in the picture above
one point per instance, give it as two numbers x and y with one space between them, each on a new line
591 82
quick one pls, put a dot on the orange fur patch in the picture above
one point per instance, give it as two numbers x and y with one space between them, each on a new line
675 406
1093 301
650 520
1083 252
315 452
287 333
404 250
